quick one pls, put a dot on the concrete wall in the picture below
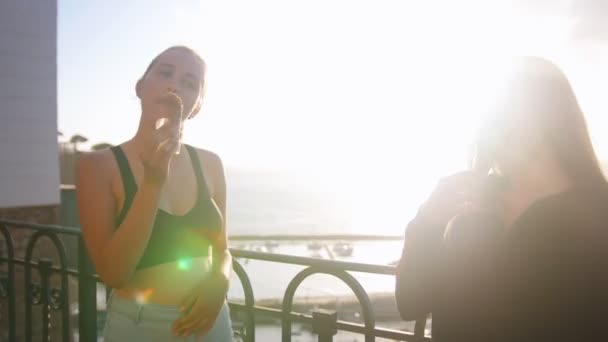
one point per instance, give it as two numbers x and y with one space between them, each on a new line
29 172
29 165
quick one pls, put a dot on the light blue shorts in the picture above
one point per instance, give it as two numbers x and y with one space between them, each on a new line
127 320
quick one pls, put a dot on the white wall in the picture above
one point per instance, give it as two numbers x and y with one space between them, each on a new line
29 167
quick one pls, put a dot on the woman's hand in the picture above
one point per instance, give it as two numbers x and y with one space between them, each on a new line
163 142
454 195
201 308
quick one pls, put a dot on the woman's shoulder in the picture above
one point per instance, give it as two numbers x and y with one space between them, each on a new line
98 161
94 172
101 164
581 210
211 163
207 157
588 197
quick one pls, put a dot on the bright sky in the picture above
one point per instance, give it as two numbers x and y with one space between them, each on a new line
387 89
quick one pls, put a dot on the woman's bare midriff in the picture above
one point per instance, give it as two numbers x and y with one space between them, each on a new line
166 284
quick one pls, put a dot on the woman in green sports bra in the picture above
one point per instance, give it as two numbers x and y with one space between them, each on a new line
152 212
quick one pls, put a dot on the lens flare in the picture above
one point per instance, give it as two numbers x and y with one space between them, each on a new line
143 296
184 264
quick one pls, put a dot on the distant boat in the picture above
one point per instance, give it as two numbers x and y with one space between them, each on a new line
315 246
316 255
260 248
343 249
271 244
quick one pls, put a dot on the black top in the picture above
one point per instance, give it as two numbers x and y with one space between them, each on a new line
173 237
543 279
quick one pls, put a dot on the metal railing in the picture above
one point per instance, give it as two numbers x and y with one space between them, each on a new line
48 298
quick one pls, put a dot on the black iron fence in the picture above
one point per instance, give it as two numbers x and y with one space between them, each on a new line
46 297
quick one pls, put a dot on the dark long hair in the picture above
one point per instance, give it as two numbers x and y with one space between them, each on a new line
542 91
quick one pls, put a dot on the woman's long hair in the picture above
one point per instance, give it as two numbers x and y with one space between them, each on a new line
541 91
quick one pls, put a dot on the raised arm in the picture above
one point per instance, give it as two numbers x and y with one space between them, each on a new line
115 250
419 269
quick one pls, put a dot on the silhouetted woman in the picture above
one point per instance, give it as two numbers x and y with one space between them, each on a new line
520 255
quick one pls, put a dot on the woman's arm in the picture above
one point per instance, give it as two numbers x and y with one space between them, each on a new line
115 250
419 268
222 259
416 274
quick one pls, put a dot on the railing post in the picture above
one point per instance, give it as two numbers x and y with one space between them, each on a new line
324 324
420 327
249 301
44 267
87 296
348 279
8 283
